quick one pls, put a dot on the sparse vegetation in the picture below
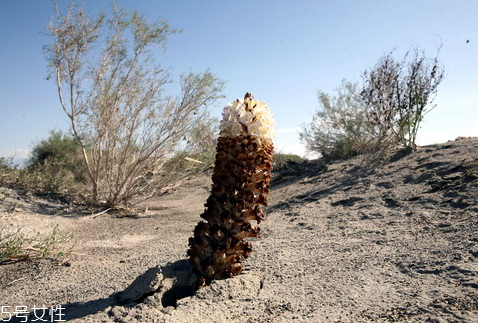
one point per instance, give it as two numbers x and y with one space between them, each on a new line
15 246
199 148
50 177
54 165
7 170
46 175
385 115
397 96
58 147
339 128
125 125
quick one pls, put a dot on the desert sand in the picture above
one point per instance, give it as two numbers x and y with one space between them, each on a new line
347 241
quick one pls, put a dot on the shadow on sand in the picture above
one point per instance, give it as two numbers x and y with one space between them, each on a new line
167 283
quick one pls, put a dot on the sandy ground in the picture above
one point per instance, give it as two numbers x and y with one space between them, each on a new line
346 242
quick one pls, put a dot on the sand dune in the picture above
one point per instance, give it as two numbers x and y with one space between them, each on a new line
342 242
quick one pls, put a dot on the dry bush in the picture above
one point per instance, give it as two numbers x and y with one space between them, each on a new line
398 95
383 117
111 89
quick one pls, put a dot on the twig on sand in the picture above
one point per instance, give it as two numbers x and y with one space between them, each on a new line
168 189
193 160
97 214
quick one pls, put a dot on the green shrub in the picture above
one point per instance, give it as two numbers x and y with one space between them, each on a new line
54 165
58 147
339 129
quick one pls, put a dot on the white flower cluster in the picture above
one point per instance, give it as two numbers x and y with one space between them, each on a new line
247 117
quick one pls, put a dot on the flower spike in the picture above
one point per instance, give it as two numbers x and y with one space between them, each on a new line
241 177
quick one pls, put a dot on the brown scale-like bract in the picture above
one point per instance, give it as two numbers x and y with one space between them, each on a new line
241 177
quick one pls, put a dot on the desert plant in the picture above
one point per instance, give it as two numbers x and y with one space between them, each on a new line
7 170
241 177
58 147
398 95
201 140
339 128
51 176
125 126
15 246
54 164
198 149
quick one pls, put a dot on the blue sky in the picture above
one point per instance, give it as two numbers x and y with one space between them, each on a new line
281 51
